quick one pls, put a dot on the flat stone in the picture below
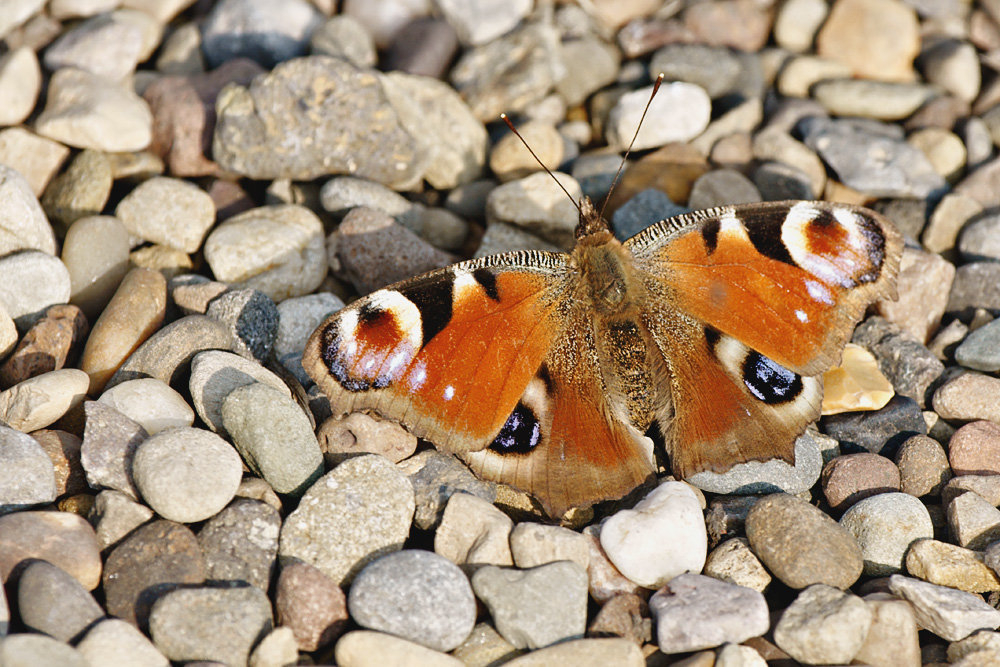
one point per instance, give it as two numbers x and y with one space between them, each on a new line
923 284
625 616
946 612
299 317
770 476
695 612
416 595
435 477
892 636
212 624
63 539
533 544
879 431
537 607
885 525
311 604
35 649
116 642
884 100
979 349
976 285
584 652
950 565
974 523
27 476
149 402
109 44
36 158
823 626
168 211
908 364
358 511
95 253
215 374
604 581
52 602
34 280
510 160
365 648
240 544
472 531
39 401
23 225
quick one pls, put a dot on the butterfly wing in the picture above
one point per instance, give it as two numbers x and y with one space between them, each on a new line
746 305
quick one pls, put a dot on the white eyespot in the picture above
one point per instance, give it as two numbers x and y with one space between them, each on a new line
416 378
819 292
801 315
449 393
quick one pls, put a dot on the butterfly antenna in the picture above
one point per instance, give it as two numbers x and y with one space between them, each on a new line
548 171
628 151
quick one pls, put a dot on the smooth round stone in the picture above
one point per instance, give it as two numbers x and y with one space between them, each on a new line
151 403
168 211
796 24
590 64
800 545
114 515
117 642
416 595
885 526
952 566
132 315
27 476
53 602
967 397
733 561
23 650
259 30
679 112
978 241
537 607
533 544
278 250
63 539
661 537
215 374
152 560
212 624
944 149
713 68
33 281
186 474
23 225
871 99
109 44
355 513
311 604
364 648
274 437
342 193
877 39
85 110
479 24
923 466
775 145
473 531
510 160
95 253
252 319
979 350
299 317
823 625
21 79
852 477
720 187
538 205
695 612
240 543
166 354
946 612
39 401
974 449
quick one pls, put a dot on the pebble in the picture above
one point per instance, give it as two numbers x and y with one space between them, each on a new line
21 77
969 396
642 210
626 616
357 433
27 476
374 250
344 37
341 194
777 181
974 449
877 40
278 250
974 523
240 544
95 253
215 374
212 624
63 450
132 315
981 641
953 213
34 649
23 225
358 511
109 44
168 211
714 69
41 400
944 149
274 437
36 158
774 144
679 112
533 544
949 565
537 204
82 190
948 613
892 636
435 477
275 650
109 443
734 23
661 537
852 477
33 281
885 525
298 317
417 595
63 539
923 284
537 607
766 476
802 72
264 132
985 486
425 46
855 384
113 641
259 30
979 350
311 604
590 65
796 24
800 545
923 466
85 110
880 431
151 403
252 319
911 368
976 286
720 187
510 159
695 612
114 515
733 561
166 355
365 648
604 579
473 532
823 625
978 239
954 66
862 98
52 602
584 653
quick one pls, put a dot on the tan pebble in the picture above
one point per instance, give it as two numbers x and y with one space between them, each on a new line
877 39
950 565
856 384
50 344
39 401
95 253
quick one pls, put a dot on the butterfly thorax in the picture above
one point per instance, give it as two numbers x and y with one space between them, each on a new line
603 262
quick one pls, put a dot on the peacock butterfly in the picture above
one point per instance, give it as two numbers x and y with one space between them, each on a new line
545 370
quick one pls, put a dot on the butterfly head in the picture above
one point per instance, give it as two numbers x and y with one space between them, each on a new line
591 226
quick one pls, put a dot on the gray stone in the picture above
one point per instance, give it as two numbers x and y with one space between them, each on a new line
149 402
823 626
436 477
720 187
716 69
274 437
537 204
642 210
976 285
27 476
215 374
23 225
53 602
679 112
114 515
950 614
358 511
117 642
979 240
885 525
109 44
240 543
63 539
252 319
981 349
298 317
908 364
756 477
212 624
416 595
533 544
33 281
865 98
537 607
590 63
109 443
344 37
29 650
258 29
695 612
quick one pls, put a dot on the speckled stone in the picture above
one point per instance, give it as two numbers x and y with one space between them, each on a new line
923 466
116 642
885 525
733 561
435 477
533 544
252 319
852 477
946 612
52 602
109 443
311 604
950 565
974 449
823 626
63 449
27 475
358 432
168 211
473 531
114 515
240 543
215 374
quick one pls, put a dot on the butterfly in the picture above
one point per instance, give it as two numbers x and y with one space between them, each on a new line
547 371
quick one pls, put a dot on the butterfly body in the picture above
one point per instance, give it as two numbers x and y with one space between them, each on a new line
545 370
